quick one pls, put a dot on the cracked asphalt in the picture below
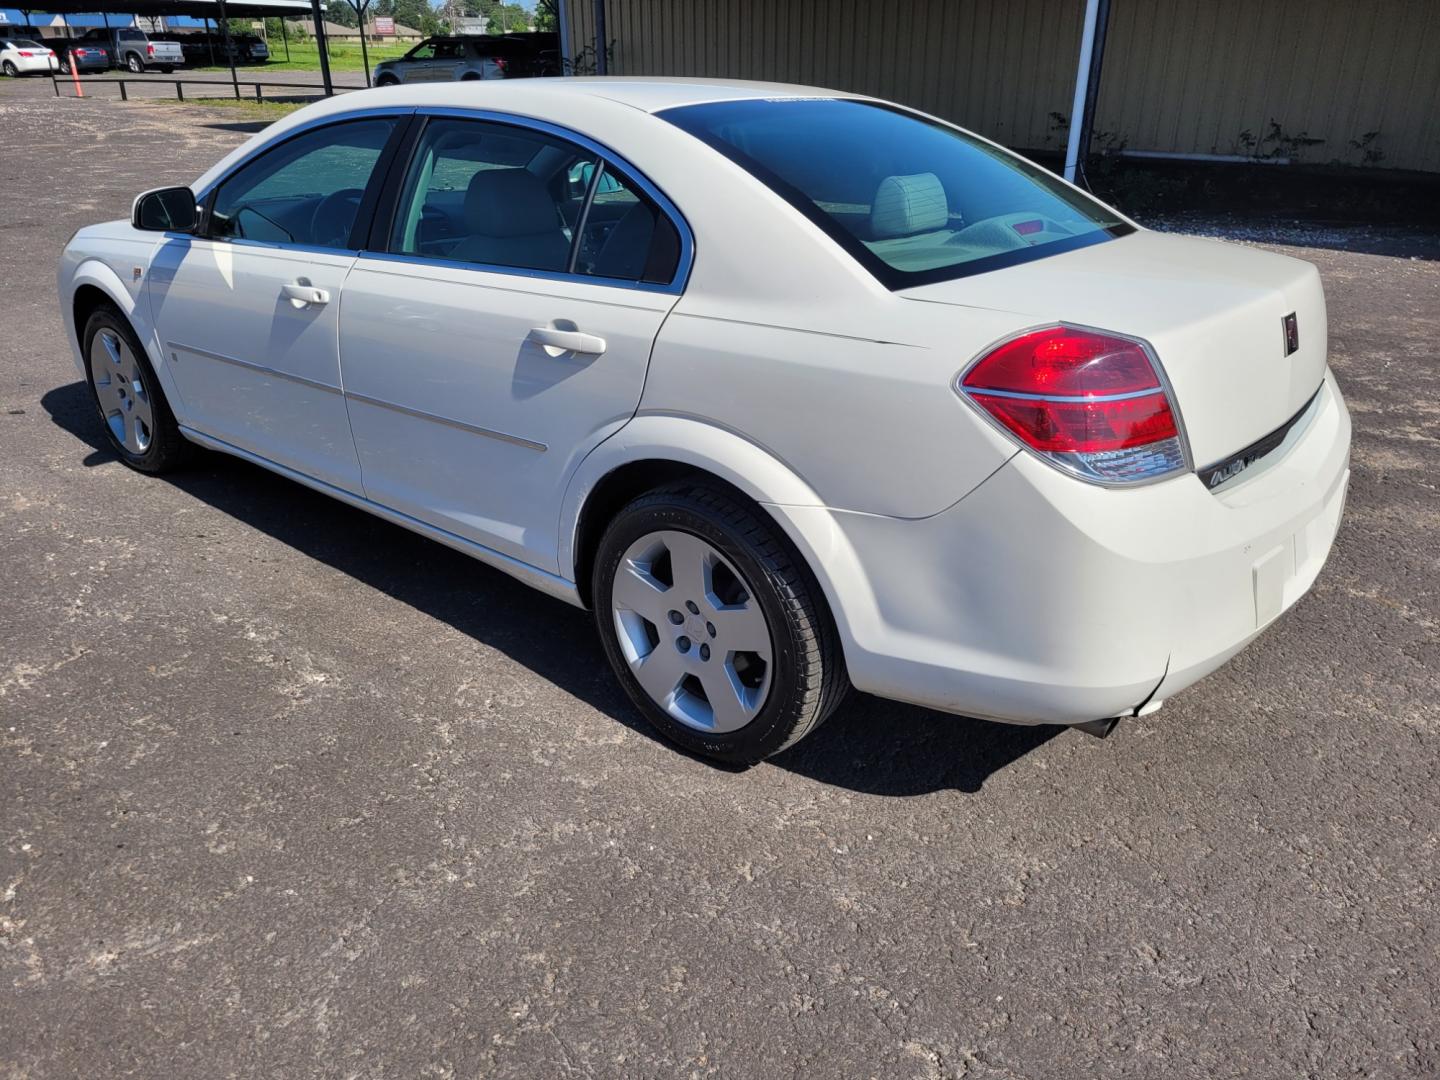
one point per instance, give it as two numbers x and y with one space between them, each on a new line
286 791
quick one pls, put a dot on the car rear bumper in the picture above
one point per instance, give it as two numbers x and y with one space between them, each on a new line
27 65
1041 599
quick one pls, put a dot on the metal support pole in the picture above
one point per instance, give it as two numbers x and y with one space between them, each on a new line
285 38
123 95
601 62
1087 85
229 49
210 40
321 46
364 52
562 12
179 90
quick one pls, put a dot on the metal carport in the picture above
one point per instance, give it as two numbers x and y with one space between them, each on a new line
219 10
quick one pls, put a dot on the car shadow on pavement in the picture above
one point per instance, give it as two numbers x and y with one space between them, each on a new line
869 745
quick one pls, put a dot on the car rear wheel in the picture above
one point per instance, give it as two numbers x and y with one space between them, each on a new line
166 70
10 69
133 63
713 626
137 419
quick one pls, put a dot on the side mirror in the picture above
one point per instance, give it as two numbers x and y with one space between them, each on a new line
170 209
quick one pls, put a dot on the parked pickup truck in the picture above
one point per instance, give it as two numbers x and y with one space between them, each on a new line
130 48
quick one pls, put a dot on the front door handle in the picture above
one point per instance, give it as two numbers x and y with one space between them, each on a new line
563 341
302 293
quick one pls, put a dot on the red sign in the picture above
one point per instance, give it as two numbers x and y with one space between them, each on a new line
384 26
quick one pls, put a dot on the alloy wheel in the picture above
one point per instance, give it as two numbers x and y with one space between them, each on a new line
692 631
120 391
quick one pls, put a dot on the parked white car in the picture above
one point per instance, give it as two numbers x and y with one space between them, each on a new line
795 389
22 56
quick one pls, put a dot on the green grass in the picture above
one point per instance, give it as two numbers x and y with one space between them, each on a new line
246 109
306 57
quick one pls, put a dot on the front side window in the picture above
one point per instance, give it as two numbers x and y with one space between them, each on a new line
424 51
306 191
491 193
912 200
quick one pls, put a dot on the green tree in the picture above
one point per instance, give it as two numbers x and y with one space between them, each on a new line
507 19
547 15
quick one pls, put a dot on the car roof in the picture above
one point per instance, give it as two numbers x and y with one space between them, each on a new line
647 93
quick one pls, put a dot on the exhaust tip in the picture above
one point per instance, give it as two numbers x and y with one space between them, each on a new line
1099 728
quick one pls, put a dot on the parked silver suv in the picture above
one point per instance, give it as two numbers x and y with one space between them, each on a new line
451 59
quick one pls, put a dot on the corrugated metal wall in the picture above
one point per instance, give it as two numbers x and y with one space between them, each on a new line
1186 76
1193 77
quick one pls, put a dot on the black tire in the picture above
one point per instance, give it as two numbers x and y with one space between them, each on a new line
387 80
808 680
166 70
168 449
64 63
11 71
135 64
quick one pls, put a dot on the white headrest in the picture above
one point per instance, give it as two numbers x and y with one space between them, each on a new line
905 205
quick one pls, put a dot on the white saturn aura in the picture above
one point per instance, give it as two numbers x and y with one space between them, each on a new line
796 389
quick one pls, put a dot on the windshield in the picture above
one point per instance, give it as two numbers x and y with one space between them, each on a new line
913 200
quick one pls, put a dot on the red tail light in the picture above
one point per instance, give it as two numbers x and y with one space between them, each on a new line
25 52
149 50
1089 402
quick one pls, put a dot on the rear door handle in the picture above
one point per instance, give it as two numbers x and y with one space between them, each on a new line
302 293
563 341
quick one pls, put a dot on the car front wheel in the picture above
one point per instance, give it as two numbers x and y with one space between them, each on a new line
714 627
132 406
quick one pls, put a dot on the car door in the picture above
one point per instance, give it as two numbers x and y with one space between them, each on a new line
248 309
449 61
495 338
415 66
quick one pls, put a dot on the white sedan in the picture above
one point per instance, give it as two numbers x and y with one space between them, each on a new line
797 390
21 56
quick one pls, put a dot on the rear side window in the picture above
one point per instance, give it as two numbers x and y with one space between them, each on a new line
505 195
306 191
625 234
493 194
912 200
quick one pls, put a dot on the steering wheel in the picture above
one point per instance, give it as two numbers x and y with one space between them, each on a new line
334 215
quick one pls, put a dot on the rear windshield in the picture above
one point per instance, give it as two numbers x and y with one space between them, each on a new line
131 35
913 200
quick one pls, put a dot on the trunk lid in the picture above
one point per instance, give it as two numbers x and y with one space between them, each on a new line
1214 313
